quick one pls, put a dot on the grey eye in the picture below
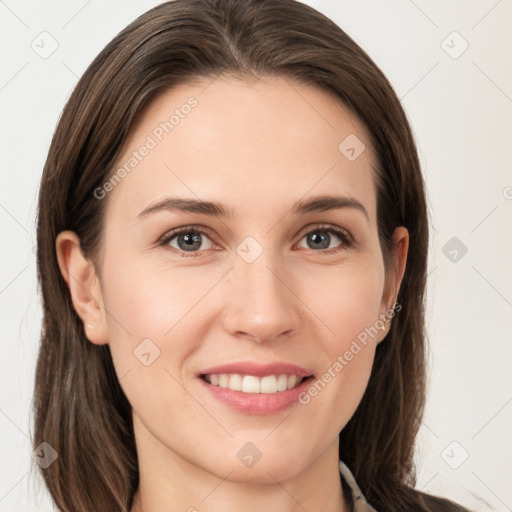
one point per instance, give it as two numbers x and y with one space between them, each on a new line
320 239
190 241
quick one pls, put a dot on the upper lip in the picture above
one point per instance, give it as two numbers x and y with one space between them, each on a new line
259 370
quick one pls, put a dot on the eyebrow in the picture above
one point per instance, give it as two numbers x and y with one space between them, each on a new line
316 204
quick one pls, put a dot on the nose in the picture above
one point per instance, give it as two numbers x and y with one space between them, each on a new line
261 304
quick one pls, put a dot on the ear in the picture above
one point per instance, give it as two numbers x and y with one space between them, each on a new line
394 278
84 286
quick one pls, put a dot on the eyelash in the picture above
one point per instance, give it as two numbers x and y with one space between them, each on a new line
342 234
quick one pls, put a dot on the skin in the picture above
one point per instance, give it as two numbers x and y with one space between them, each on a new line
257 147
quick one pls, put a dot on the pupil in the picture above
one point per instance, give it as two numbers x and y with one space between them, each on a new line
189 241
320 240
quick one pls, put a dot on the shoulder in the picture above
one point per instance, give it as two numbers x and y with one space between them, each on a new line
416 500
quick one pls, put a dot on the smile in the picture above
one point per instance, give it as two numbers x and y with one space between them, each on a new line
253 384
256 389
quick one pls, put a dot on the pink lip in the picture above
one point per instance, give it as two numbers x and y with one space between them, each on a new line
258 403
259 370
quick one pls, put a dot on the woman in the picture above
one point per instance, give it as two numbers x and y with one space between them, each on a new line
232 245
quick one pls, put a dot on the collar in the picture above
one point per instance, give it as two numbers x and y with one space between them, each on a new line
360 503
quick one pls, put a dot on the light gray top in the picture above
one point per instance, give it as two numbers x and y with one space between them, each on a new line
360 503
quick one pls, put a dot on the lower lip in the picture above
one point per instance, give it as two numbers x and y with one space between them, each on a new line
258 403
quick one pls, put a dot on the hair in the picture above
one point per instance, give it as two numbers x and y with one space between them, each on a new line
79 407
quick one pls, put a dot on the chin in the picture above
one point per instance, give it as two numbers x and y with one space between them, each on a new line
265 470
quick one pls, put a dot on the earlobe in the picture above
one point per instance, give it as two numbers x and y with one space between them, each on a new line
84 286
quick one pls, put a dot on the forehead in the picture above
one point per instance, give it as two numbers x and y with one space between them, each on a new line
250 144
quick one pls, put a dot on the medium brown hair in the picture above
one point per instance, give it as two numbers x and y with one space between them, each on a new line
79 406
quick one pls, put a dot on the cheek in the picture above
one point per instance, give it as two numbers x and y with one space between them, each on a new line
147 299
345 299
155 314
152 332
348 303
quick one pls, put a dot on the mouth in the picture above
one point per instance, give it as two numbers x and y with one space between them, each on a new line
252 383
256 389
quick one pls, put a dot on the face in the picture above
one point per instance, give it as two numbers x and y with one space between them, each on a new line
224 319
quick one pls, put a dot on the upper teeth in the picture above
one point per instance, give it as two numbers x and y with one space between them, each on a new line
252 384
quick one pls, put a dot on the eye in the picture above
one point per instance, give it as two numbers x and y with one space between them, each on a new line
322 238
188 239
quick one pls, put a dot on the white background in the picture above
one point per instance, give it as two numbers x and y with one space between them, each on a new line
461 112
